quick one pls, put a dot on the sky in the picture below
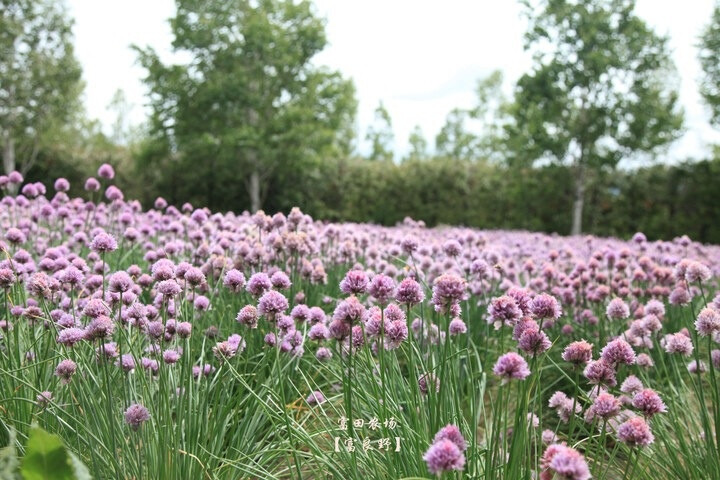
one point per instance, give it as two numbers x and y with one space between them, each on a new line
421 58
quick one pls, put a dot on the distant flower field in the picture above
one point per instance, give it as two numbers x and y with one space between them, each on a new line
180 343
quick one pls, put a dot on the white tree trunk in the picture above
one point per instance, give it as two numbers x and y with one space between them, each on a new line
255 203
8 152
579 201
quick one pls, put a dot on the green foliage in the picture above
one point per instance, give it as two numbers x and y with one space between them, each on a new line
709 54
380 135
249 100
45 458
41 78
418 145
600 89
454 140
662 201
9 462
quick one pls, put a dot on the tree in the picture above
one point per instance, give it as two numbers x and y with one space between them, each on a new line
454 139
380 136
418 145
40 78
474 133
249 100
709 54
598 91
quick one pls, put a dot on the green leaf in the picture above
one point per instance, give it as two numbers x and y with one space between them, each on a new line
79 468
8 459
47 458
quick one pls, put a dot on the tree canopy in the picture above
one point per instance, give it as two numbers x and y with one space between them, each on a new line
249 99
709 54
40 78
600 89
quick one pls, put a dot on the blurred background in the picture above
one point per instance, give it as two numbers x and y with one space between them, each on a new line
564 116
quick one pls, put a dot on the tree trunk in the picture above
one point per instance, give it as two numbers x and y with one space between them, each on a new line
579 200
255 203
8 152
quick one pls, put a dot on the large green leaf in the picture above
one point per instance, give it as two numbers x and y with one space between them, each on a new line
8 460
47 458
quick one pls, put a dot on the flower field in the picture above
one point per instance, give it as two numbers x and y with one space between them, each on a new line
180 343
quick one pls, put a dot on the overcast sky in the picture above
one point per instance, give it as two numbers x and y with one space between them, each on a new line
421 58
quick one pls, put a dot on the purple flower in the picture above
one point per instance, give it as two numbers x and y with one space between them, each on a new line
617 309
126 362
579 352
272 303
452 248
258 284
280 280
631 385
680 296
426 378
44 398
171 356
444 456
315 398
693 367
696 272
169 288
678 343
103 242
545 306
248 316
533 341
564 461
62 185
71 336
349 310
393 312
605 406
511 366
457 327
15 177
452 433
600 372
448 290
201 303
194 277
7 278
648 402
708 322
92 185
409 292
99 327
395 333
323 354
564 406
354 283
15 236
136 415
654 307
382 288
234 280
618 351
318 332
504 311
644 360
635 432
300 313
65 370
106 171
183 329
